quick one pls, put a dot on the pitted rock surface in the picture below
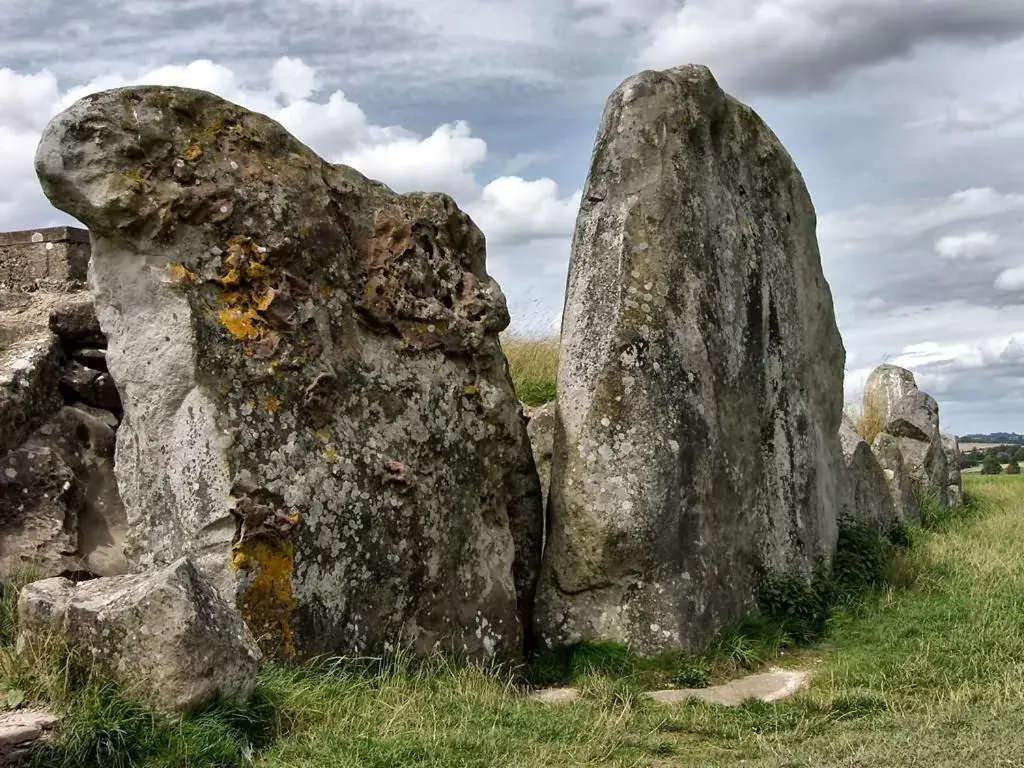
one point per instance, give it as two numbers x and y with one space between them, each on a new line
167 636
541 429
700 380
885 387
316 406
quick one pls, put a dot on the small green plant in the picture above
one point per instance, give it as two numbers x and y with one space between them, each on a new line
1013 468
991 465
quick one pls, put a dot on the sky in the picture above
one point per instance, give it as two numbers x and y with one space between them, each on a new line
906 118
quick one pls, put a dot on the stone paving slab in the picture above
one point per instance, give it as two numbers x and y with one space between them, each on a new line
20 730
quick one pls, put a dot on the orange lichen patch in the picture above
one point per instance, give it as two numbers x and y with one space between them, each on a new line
268 602
248 286
193 152
242 323
273 403
182 274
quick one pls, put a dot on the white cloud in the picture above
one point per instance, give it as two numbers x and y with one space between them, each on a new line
1011 279
512 210
788 45
969 245
293 79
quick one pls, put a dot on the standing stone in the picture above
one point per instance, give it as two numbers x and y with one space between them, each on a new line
955 489
898 477
867 499
912 421
885 387
167 637
316 406
700 380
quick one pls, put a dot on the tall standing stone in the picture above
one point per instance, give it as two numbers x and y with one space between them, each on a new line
316 406
700 380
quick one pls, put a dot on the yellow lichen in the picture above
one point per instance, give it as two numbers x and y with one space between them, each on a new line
182 274
248 286
323 434
268 602
273 403
330 455
193 152
241 323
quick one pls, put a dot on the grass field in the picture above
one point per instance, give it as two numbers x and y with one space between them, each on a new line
930 674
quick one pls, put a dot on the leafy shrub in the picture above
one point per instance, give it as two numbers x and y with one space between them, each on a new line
1013 468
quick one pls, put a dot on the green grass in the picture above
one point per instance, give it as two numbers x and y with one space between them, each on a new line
533 363
927 669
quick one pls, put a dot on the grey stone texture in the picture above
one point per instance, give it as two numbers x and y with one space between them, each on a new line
328 429
700 379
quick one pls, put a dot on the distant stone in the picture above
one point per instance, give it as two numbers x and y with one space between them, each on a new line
914 416
316 404
167 636
700 377
955 489
868 498
898 477
766 687
885 387
541 428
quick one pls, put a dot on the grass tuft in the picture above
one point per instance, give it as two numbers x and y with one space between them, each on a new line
870 420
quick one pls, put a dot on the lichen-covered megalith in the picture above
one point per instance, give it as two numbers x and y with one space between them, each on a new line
316 406
700 377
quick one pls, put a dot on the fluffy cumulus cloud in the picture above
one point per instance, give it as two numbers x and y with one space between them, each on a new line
783 46
969 245
510 209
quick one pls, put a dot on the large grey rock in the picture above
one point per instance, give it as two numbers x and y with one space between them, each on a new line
898 477
316 405
868 499
885 387
700 380
541 429
167 636
30 365
60 511
915 416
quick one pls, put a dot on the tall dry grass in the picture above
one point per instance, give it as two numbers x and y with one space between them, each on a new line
869 419
533 363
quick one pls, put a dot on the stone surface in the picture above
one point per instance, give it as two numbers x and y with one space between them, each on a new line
60 510
915 416
75 321
316 405
868 498
897 477
167 636
885 387
20 731
30 364
51 258
700 379
541 429
775 685
767 687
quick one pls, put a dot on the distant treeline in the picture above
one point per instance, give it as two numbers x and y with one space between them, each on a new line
991 460
994 437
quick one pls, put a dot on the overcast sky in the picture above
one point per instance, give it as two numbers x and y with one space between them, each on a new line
906 118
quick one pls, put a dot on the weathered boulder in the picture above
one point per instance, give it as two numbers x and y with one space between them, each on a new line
955 489
30 364
60 511
912 419
75 321
316 405
898 477
700 380
867 498
540 427
167 636
885 387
